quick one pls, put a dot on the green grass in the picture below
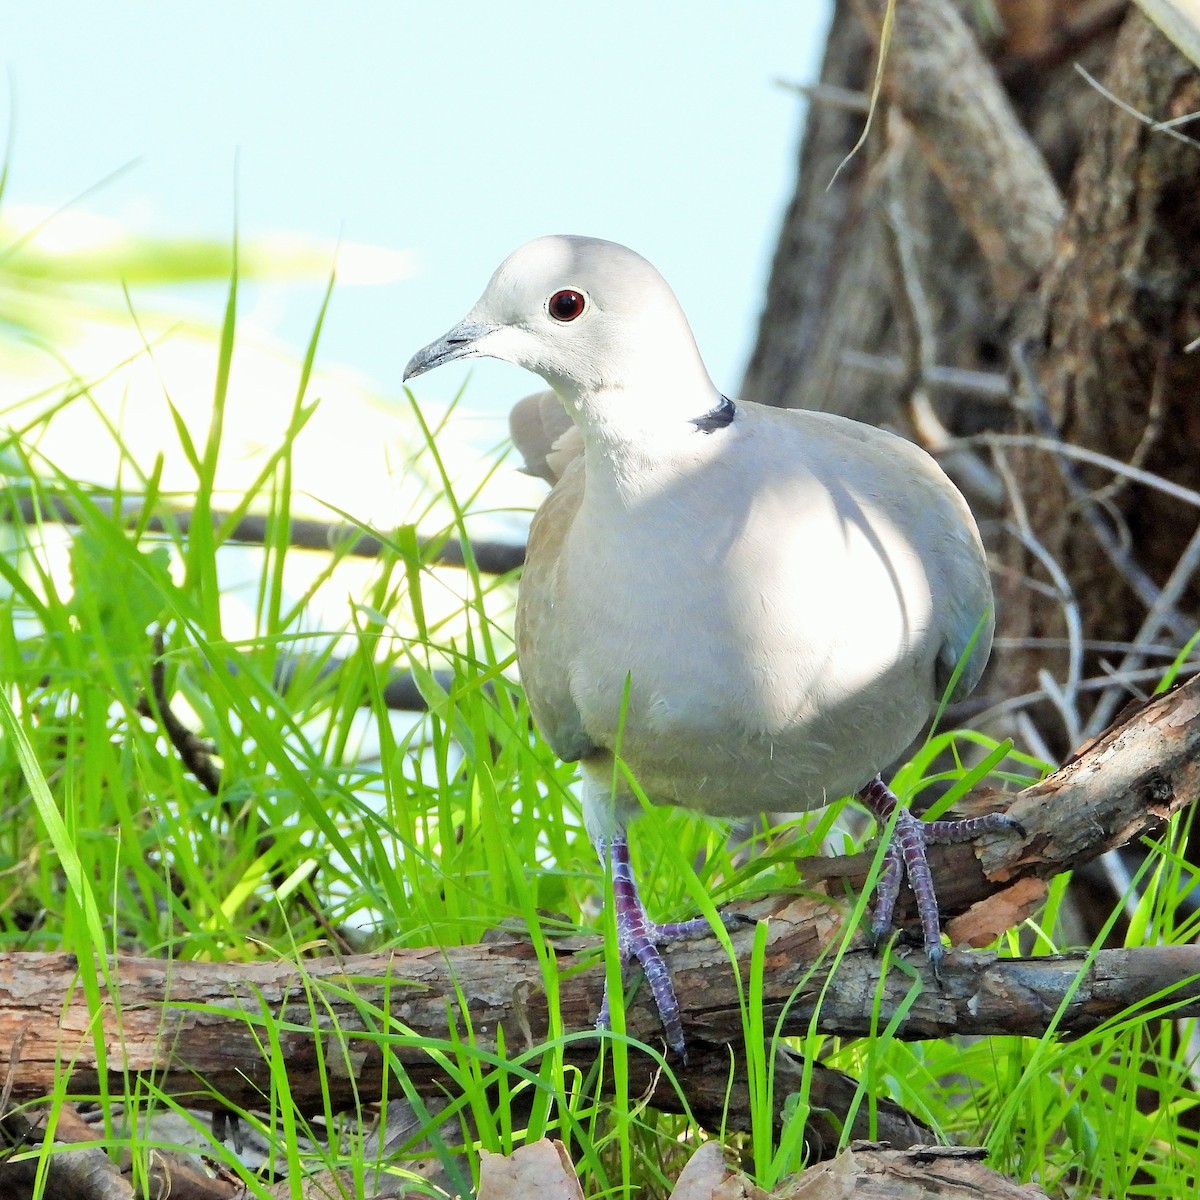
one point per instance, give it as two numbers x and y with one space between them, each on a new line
459 823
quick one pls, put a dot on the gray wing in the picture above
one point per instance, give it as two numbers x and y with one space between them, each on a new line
968 641
939 523
969 607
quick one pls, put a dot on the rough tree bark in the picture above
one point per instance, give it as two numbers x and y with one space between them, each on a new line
1110 321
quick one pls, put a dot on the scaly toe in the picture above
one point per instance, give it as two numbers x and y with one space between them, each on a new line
644 950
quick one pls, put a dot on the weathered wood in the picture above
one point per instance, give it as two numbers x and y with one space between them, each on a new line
78 1169
820 238
829 302
875 1171
200 1028
968 132
1122 786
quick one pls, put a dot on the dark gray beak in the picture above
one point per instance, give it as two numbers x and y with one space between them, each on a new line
461 342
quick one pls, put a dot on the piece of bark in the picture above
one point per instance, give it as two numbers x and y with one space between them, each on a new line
707 1176
875 1172
197 1027
704 1172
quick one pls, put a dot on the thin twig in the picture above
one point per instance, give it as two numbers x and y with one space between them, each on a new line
194 752
1178 582
1065 698
1167 127
1121 882
492 558
1090 646
914 320
1092 457
1033 740
828 94
985 713
988 384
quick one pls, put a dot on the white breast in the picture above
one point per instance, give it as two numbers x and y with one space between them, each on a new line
757 626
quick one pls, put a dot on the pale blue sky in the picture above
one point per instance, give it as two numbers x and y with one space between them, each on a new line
451 131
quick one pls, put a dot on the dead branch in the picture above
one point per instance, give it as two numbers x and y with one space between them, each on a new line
1120 787
194 752
197 757
198 1027
87 1173
303 533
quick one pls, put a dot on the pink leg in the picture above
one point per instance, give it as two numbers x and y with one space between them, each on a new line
639 939
906 856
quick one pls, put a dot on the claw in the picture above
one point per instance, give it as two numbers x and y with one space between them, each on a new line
1011 823
935 956
736 920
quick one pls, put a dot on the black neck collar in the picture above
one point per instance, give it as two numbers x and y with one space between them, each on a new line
716 418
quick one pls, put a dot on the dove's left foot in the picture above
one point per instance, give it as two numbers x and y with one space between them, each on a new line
905 855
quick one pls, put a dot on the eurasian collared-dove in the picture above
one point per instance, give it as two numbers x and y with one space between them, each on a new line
764 606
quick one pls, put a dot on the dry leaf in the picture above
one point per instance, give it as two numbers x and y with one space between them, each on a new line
541 1169
705 1170
708 1177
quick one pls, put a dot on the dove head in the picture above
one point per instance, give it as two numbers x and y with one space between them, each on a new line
597 322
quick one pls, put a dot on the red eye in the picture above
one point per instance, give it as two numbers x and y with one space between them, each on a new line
567 305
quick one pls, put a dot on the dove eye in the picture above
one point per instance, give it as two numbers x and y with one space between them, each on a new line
567 305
